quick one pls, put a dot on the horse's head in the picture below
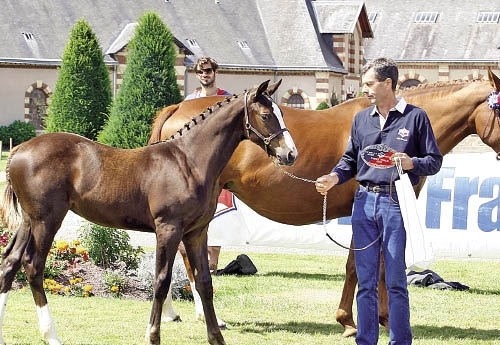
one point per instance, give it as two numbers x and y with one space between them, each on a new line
494 100
265 125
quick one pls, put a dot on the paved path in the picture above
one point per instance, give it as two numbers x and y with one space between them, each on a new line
72 222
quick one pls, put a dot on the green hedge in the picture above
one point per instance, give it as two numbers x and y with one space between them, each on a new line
19 131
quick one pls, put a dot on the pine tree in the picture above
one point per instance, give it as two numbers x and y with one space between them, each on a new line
149 84
82 95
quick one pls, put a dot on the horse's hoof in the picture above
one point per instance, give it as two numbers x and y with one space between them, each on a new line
222 325
385 322
176 318
349 331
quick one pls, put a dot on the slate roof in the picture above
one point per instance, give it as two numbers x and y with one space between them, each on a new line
455 37
279 34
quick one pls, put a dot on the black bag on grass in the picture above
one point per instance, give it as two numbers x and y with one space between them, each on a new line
242 265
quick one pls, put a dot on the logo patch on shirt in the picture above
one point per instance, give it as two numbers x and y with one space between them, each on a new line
378 156
403 134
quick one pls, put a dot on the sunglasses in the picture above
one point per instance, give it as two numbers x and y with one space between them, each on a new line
205 70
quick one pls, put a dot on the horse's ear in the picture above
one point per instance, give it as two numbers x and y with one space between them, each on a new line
271 89
262 88
494 80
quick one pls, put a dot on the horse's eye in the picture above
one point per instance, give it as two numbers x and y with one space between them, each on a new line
265 116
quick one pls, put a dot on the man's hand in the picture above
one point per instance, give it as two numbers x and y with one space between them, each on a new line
326 182
406 161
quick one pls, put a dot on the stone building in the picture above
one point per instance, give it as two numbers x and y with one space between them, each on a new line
316 47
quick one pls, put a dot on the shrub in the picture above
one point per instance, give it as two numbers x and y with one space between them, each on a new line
107 246
19 132
181 289
149 84
82 95
323 105
115 282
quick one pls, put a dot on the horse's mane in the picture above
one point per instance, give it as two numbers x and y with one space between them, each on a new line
197 119
437 89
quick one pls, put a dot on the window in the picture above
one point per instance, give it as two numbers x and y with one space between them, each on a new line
243 44
192 42
488 17
426 17
409 83
37 108
28 36
296 101
372 16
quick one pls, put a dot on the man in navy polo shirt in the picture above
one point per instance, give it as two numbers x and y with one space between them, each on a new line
389 129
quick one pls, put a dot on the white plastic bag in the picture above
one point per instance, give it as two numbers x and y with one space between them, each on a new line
418 254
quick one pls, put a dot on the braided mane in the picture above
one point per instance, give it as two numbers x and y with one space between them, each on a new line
438 88
197 119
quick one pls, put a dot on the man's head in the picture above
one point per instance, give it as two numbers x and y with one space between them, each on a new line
206 69
383 68
380 78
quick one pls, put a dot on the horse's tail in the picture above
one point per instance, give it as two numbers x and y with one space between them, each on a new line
10 215
161 117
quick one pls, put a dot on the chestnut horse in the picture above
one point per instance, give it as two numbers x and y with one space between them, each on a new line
170 188
455 109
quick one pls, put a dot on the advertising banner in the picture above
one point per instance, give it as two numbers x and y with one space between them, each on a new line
459 206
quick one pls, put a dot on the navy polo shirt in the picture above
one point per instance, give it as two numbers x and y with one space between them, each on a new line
407 129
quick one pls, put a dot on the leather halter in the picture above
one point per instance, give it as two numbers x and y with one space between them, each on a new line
249 127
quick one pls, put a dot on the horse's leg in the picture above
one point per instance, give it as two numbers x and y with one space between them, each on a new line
11 263
35 256
168 238
199 314
168 313
344 311
197 252
383 298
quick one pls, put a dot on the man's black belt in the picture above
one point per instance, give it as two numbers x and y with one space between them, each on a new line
378 188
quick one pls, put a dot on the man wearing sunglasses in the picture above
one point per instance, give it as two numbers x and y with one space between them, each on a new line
206 71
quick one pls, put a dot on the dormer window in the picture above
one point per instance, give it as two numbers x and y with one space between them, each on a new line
28 36
372 16
488 17
426 17
243 44
192 42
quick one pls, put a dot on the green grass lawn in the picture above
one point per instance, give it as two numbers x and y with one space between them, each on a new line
291 300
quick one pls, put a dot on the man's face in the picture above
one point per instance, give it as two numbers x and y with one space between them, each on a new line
206 75
374 89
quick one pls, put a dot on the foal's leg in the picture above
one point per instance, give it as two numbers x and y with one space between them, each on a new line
168 313
199 314
168 238
34 259
196 249
11 263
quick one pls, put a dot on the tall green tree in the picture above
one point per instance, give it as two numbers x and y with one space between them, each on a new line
82 95
149 84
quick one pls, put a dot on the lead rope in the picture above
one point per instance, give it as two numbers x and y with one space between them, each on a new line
324 212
